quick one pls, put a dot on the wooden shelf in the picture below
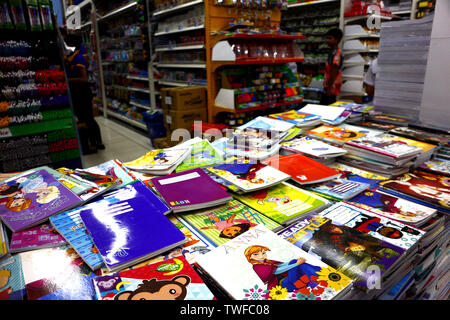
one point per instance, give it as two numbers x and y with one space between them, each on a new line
308 3
179 48
241 62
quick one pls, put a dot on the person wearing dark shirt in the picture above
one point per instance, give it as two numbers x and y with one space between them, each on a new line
76 69
333 68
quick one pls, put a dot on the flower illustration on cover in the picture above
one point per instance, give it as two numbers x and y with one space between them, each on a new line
335 281
255 293
278 293
311 285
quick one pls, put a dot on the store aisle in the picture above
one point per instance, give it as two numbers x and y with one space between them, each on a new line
121 143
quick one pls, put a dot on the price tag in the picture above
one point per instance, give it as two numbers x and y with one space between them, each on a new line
168 119
5 132
168 100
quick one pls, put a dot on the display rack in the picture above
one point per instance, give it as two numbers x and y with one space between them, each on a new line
37 125
179 47
221 56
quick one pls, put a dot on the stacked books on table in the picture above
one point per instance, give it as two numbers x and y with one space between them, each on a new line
298 118
333 134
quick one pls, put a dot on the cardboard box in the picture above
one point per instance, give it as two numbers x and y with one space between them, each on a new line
183 98
183 119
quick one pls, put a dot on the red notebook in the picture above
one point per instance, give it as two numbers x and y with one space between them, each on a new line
302 169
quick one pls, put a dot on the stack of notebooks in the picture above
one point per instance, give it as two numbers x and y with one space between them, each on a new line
332 115
298 118
333 134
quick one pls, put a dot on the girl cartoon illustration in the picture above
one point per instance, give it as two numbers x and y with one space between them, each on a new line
230 227
278 200
36 184
16 204
274 273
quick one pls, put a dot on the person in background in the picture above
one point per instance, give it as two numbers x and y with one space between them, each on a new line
76 69
369 78
333 68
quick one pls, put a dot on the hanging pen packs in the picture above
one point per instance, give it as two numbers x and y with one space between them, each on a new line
45 10
5 16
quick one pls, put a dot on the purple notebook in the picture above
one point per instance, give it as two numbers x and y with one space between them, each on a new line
43 236
190 190
130 231
28 200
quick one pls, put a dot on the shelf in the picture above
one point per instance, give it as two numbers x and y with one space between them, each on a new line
181 65
119 10
140 105
263 106
177 8
217 64
293 5
356 18
354 64
119 116
193 47
360 51
137 78
36 127
358 36
401 12
262 36
179 30
139 89
179 83
352 77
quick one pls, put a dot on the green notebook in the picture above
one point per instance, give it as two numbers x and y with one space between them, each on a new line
203 154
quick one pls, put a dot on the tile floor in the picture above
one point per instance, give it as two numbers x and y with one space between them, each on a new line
121 141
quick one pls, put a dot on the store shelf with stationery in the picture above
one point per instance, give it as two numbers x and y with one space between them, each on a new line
248 58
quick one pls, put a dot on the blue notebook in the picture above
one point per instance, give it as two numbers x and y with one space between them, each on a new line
131 230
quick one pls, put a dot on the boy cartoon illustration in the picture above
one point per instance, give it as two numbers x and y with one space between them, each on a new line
273 272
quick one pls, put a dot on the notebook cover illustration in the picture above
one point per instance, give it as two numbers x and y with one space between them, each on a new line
282 202
352 252
4 247
429 187
159 159
376 125
172 279
56 274
226 222
12 284
302 169
440 167
382 145
369 132
313 147
265 123
359 175
260 265
417 134
340 188
177 189
333 133
32 198
377 226
202 154
418 144
113 168
35 237
249 176
120 230
256 154
251 138
295 117
392 207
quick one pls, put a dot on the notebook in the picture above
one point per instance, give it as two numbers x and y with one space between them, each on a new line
12 286
203 154
313 147
130 231
42 236
29 199
338 188
268 124
300 119
330 113
249 176
190 190
333 134
260 265
302 169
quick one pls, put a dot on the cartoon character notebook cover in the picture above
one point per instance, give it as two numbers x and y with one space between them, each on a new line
340 188
283 203
428 187
113 168
30 199
159 159
392 207
296 117
202 154
172 279
354 253
254 154
4 247
12 284
302 169
369 132
250 138
56 274
260 265
417 134
377 226
249 176
226 222
43 236
313 147
334 134
189 190
419 144
440 167
130 231
359 175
